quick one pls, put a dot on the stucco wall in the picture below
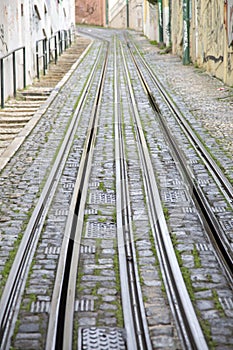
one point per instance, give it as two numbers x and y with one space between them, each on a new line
117 14
24 22
208 37
136 14
177 27
209 33
150 21
89 12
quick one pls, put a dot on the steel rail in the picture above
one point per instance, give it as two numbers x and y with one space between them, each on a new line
17 277
218 175
188 325
132 301
60 329
212 225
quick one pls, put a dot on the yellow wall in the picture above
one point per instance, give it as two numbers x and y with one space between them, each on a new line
209 47
208 37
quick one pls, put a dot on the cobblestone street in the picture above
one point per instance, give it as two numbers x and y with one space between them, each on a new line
27 162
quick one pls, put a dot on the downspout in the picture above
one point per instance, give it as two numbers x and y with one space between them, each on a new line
170 17
106 12
144 12
160 6
196 29
227 43
186 31
166 22
127 13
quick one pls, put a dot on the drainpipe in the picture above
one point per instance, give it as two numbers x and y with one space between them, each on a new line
166 22
170 17
127 13
160 5
106 12
196 29
186 31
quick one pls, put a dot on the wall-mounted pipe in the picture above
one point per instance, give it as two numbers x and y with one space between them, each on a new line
106 13
127 13
160 7
166 22
186 32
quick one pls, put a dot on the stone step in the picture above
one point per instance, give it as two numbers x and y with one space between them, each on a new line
46 83
18 109
52 78
12 125
12 117
35 91
35 97
4 138
21 104
16 113
39 93
12 120
5 131
4 143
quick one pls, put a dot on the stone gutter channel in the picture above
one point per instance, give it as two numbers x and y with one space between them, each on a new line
98 298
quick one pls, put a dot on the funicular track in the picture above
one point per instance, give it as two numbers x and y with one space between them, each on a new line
215 230
20 268
188 325
60 331
134 317
60 327
61 324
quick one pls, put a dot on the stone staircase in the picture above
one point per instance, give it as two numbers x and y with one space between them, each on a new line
19 111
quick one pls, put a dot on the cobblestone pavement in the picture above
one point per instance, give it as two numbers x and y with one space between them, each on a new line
202 98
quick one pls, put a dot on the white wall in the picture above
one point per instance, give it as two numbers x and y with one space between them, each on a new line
136 14
22 23
150 21
117 13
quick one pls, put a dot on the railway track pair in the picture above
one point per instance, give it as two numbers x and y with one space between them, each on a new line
62 307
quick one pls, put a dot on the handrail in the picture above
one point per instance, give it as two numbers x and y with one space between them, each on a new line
14 71
44 56
58 43
62 40
54 37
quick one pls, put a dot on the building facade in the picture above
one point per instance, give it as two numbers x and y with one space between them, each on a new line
199 31
22 24
126 14
118 14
